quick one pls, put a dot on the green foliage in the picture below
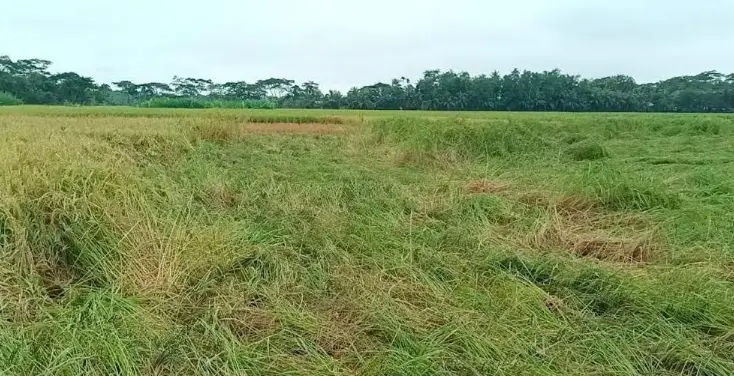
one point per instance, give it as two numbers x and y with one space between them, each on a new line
168 102
7 99
518 90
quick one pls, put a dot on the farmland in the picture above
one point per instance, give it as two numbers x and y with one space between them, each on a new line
259 242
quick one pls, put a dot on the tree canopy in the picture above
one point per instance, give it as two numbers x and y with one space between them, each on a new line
30 81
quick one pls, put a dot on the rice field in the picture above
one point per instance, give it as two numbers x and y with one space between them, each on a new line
315 242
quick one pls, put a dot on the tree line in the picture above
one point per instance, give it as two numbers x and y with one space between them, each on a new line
30 81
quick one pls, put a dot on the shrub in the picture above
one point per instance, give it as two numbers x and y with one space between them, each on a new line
7 99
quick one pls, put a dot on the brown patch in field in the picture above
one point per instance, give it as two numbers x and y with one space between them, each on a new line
406 158
216 132
565 204
484 186
414 300
160 262
343 329
345 324
535 198
251 323
350 319
55 277
332 120
577 227
153 268
226 132
292 129
555 304
573 205
419 219
616 249
432 206
222 195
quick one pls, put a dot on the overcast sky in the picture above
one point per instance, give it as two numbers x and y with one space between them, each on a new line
344 43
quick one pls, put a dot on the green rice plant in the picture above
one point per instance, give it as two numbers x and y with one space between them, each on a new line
465 138
180 241
618 191
586 151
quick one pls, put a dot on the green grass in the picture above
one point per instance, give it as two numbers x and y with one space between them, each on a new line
166 241
586 151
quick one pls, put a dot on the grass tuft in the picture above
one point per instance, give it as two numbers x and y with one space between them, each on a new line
586 151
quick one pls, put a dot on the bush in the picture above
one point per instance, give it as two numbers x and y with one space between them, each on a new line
170 102
7 99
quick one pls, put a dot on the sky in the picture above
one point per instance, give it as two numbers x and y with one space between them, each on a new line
346 43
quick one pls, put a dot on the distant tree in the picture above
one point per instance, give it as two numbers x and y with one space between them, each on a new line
241 90
191 87
73 88
30 81
276 87
333 99
153 89
216 90
102 94
128 88
24 67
